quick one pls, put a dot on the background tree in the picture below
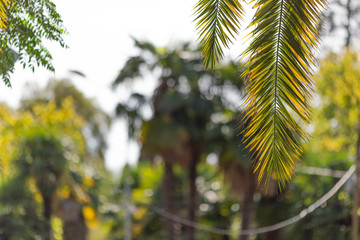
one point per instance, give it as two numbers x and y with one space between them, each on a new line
30 131
39 160
19 218
170 117
340 113
235 161
182 129
343 16
43 159
86 178
332 221
97 122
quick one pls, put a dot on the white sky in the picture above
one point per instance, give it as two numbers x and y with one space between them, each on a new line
100 43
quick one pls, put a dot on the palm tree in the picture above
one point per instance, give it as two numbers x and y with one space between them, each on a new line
279 64
159 136
183 103
43 160
19 218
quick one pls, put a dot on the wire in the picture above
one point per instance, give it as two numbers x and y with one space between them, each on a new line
270 228
326 172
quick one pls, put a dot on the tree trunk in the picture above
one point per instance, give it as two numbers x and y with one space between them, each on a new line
74 227
47 202
192 204
6 236
247 205
226 237
169 190
355 218
270 213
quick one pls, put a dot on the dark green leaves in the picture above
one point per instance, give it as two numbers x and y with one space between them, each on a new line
217 23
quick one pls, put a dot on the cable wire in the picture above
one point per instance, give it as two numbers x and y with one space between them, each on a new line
270 228
326 172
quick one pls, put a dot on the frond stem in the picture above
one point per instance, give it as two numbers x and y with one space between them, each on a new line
216 22
217 3
276 73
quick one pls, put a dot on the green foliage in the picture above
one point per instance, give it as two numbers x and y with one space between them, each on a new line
42 150
216 201
18 216
44 143
217 22
332 220
43 119
193 116
144 180
29 23
185 91
96 121
337 118
43 158
146 193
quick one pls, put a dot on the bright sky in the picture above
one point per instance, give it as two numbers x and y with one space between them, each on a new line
100 43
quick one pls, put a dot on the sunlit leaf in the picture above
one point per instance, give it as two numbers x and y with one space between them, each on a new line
3 6
280 62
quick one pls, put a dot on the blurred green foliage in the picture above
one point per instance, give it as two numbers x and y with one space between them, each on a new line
45 154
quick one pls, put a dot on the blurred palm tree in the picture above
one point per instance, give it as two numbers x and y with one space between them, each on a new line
174 131
187 102
43 159
18 216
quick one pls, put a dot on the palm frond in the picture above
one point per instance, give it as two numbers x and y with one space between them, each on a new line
217 23
3 5
131 70
280 63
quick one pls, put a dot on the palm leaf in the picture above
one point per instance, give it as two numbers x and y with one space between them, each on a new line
217 22
131 70
3 5
280 62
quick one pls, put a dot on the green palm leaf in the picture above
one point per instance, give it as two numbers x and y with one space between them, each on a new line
280 62
217 22
3 6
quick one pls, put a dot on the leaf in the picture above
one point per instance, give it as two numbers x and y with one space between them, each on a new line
280 62
3 5
217 23
131 70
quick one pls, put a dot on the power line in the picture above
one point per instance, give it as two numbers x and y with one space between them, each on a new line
326 172
270 228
